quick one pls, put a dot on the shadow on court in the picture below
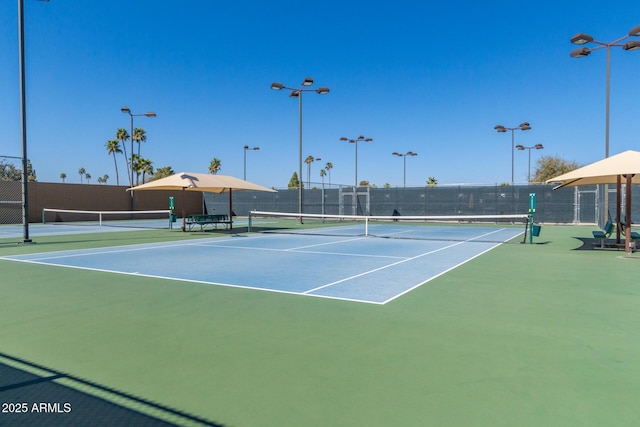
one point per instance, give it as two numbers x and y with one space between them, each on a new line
40 399
589 244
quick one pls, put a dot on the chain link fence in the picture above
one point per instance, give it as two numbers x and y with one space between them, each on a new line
10 202
575 205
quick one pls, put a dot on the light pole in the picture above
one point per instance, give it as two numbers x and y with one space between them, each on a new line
355 141
581 39
23 123
404 158
522 148
297 93
521 126
246 148
131 116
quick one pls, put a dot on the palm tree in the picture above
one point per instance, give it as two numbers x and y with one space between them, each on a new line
123 136
105 178
146 167
81 171
432 182
139 136
328 167
308 161
215 166
135 164
162 172
113 147
322 174
88 176
63 176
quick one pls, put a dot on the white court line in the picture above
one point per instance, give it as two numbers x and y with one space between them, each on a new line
403 261
383 267
230 239
439 274
200 282
297 250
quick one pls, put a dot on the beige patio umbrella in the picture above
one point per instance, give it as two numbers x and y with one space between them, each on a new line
200 182
611 170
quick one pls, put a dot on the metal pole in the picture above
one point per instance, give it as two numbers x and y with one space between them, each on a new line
404 180
23 123
356 184
244 176
605 211
529 171
300 156
131 141
512 155
606 152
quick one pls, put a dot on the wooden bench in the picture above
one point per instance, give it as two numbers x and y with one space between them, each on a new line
207 219
604 234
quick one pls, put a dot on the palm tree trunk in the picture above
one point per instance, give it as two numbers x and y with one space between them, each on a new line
115 163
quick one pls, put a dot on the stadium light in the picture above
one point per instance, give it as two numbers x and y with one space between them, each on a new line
297 93
404 157
522 148
501 129
355 141
246 148
583 39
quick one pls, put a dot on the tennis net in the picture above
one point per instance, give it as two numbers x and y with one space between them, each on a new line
132 219
480 228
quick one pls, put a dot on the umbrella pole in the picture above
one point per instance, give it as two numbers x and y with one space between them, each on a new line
230 210
184 219
618 208
627 231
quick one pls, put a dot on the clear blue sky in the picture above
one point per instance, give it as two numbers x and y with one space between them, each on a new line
433 78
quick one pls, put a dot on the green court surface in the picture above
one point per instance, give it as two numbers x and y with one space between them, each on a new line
546 334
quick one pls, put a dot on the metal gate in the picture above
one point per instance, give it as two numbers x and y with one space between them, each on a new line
360 201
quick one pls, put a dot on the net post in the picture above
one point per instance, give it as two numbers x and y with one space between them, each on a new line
249 222
43 215
532 211
366 225
100 218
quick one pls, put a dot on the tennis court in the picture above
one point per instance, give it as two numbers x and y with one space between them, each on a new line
355 268
516 334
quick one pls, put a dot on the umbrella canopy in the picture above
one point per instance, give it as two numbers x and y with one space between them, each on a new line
201 182
623 167
605 171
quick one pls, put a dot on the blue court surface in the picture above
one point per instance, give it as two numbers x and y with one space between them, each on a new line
16 231
363 269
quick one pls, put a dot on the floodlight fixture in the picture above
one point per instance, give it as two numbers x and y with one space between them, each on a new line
404 160
632 45
581 38
501 129
580 53
297 93
355 141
